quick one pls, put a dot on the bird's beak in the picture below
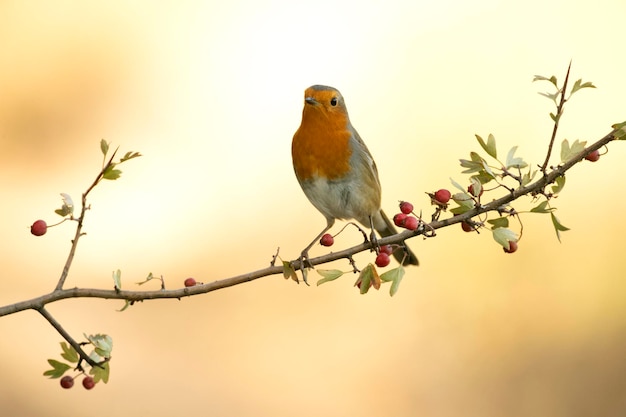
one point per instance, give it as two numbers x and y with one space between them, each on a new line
310 100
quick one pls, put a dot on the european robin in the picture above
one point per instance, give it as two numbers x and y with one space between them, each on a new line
336 170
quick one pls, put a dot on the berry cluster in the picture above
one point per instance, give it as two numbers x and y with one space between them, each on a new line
67 382
404 218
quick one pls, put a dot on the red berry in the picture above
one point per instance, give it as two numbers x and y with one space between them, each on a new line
88 382
470 190
442 196
327 240
67 382
467 227
190 282
406 207
411 223
593 156
512 247
386 249
39 228
398 219
382 260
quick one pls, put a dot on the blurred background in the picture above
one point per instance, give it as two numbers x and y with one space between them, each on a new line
211 94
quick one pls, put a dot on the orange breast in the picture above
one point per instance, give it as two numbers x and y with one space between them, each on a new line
321 147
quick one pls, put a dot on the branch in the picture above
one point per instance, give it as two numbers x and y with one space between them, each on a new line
557 118
79 228
535 188
66 336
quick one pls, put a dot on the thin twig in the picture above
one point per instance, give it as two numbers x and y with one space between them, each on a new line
79 227
42 310
557 118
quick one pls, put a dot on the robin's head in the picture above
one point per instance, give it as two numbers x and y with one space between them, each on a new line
325 100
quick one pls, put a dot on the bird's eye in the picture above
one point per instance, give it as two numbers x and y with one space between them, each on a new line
333 101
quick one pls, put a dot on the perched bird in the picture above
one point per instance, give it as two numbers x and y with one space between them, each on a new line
336 170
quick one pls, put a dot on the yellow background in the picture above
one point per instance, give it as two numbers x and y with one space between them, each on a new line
211 93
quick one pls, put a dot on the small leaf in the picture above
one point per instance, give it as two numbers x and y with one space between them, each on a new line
542 208
368 278
117 280
476 187
110 173
103 344
620 133
489 146
289 272
58 369
514 162
457 185
528 177
69 354
558 227
499 222
394 276
67 208
328 275
100 373
568 152
542 78
149 278
503 236
559 183
126 305
129 155
104 147
579 85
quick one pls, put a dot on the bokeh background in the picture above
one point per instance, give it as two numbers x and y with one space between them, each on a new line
211 93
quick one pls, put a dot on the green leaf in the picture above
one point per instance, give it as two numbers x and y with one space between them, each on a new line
58 369
514 162
100 373
528 177
129 155
149 278
499 222
465 202
542 208
558 227
126 305
110 173
579 84
328 275
559 183
67 208
621 131
103 344
568 152
365 279
69 354
457 185
289 272
542 78
104 147
117 280
395 277
503 236
552 97
489 146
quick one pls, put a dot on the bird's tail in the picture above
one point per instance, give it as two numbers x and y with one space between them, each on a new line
389 230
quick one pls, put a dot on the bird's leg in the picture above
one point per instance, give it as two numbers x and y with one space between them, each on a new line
304 255
373 237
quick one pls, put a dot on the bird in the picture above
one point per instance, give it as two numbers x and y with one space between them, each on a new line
336 171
